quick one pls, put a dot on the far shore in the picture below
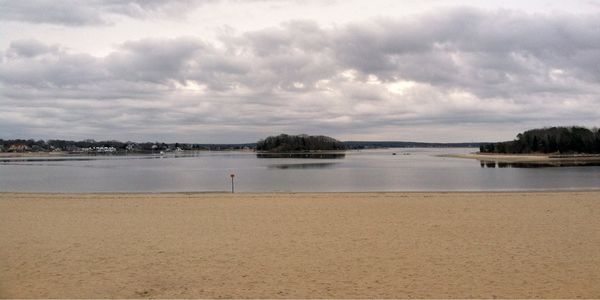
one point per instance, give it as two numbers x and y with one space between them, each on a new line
33 154
300 245
75 154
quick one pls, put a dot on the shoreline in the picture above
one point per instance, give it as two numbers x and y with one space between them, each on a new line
43 154
243 193
204 193
513 244
34 154
526 158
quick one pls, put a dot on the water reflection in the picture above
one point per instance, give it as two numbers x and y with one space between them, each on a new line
545 164
336 155
43 159
303 166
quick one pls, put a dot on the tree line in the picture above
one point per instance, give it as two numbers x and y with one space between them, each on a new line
303 142
568 140
401 144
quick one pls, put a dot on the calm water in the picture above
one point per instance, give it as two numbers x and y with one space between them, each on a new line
369 170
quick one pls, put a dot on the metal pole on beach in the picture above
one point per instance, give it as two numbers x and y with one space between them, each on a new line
232 175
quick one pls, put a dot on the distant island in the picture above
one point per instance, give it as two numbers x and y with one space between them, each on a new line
295 143
562 140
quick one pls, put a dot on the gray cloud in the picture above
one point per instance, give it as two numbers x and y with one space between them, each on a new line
488 51
90 12
153 60
464 68
29 48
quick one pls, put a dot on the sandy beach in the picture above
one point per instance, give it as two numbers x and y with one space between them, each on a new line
304 245
528 158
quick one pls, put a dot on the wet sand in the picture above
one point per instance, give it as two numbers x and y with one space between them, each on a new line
304 245
528 158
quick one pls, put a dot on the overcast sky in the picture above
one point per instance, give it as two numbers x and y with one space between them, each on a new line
235 71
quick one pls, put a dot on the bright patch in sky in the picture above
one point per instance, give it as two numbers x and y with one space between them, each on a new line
400 87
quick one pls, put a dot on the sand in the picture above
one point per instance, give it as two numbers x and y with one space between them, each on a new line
528 158
305 245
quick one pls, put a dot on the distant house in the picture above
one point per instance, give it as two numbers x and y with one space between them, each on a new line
105 149
72 148
18 148
131 147
98 150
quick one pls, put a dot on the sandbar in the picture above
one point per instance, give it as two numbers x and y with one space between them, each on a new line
529 158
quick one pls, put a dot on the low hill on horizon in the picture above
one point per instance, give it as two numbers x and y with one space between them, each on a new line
30 145
405 144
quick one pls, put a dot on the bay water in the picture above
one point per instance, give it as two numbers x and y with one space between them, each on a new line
402 169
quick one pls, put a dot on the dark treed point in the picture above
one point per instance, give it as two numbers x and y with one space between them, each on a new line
564 140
